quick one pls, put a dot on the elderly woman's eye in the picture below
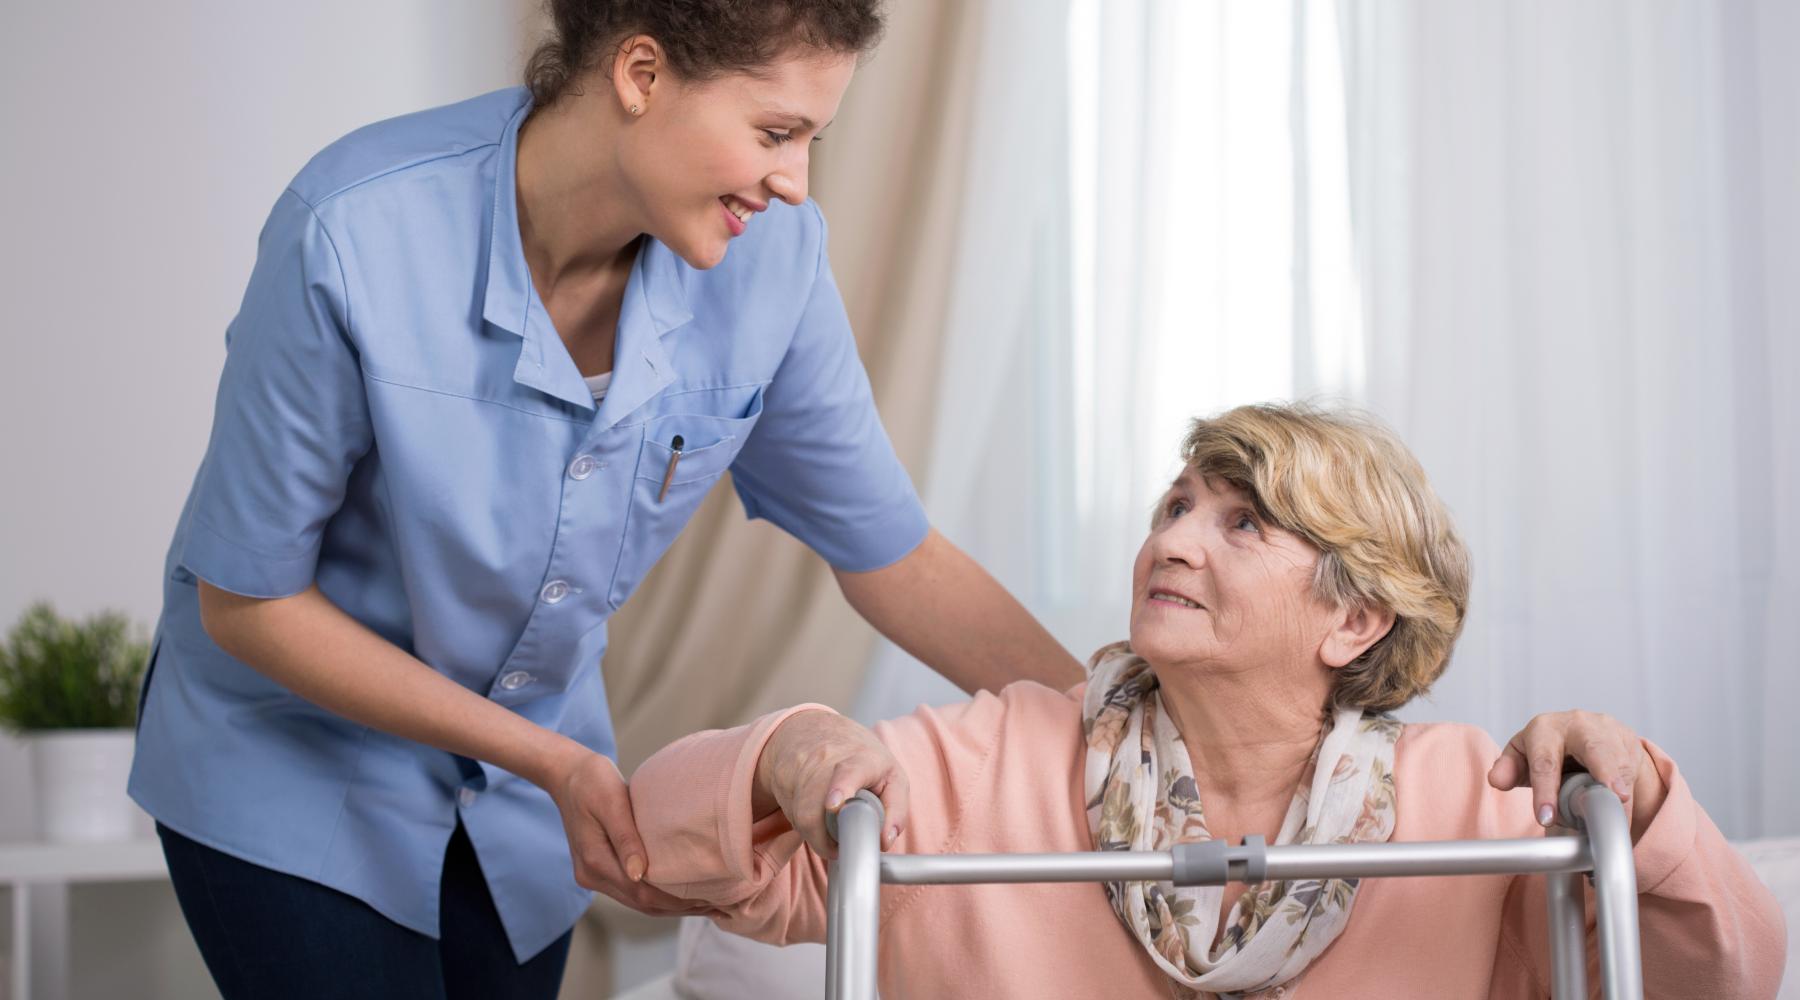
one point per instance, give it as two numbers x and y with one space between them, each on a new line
1175 507
1246 521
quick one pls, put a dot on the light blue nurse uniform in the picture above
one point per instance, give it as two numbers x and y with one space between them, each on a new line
399 423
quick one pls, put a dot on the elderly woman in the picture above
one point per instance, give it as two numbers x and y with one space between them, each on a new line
1300 581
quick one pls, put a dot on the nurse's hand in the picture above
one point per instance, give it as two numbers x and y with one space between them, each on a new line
813 763
608 854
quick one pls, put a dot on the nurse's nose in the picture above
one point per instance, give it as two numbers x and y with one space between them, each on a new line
789 183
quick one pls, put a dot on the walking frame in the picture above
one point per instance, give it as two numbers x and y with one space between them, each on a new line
1594 838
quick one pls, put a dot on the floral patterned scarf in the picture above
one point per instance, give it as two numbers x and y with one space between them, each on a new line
1141 796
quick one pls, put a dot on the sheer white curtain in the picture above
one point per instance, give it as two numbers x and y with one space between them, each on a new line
1577 228
1211 249
1552 244
1141 204
1004 301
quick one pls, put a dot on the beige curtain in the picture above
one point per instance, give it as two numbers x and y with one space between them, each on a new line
738 618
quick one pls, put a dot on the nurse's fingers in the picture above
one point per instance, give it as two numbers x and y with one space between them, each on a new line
596 812
597 867
613 809
647 899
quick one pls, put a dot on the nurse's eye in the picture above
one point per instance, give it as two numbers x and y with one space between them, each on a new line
777 138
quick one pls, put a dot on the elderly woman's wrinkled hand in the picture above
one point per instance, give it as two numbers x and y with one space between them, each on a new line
817 760
1606 747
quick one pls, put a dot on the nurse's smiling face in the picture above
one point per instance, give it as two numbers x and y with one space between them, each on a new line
703 157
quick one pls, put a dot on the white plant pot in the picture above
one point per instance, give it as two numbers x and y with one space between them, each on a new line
80 776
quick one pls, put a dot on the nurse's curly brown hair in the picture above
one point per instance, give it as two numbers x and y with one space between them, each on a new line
703 39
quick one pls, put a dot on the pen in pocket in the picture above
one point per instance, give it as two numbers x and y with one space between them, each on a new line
669 475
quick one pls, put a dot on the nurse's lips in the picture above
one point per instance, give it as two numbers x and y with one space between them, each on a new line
738 212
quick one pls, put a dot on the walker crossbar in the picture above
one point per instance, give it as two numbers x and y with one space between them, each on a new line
1596 840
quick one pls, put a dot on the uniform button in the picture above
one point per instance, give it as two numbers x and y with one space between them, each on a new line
465 797
516 680
554 591
582 467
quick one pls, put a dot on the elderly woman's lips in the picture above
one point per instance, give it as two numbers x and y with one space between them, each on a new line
1165 597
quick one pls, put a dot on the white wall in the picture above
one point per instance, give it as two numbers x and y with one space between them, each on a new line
143 146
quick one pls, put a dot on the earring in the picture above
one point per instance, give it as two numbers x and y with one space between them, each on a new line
634 109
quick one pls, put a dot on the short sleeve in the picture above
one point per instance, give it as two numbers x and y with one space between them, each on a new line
290 421
819 463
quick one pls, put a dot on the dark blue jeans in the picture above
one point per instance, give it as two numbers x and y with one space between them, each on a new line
270 936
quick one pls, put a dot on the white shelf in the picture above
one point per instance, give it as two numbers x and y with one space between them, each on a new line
119 861
39 875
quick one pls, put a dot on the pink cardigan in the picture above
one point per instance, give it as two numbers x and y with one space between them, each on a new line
1004 773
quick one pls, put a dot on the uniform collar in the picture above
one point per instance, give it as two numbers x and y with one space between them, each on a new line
655 303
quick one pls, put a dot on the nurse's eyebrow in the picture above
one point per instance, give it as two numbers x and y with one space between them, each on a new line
795 120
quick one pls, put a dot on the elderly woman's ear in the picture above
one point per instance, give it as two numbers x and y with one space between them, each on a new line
1355 630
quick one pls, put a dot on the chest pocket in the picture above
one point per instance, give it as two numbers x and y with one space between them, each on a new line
708 445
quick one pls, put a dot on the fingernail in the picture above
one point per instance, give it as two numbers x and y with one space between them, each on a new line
1545 814
634 867
1620 788
893 834
832 800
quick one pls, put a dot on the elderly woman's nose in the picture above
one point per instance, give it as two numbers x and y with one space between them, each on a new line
1179 543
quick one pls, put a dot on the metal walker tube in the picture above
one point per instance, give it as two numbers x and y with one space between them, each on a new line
1568 935
1593 808
1600 844
853 901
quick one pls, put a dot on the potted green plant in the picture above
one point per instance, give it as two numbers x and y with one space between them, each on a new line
71 689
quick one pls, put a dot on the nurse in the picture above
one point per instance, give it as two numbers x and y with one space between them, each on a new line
490 359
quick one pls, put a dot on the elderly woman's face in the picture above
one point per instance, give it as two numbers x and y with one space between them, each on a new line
1217 588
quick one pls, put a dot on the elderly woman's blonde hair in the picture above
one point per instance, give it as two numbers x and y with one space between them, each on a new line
1345 483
